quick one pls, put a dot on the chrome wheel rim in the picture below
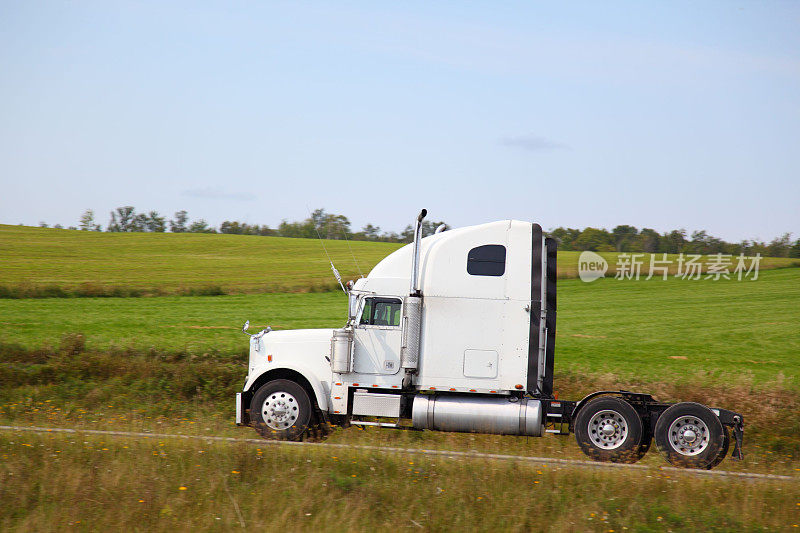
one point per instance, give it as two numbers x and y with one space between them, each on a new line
280 410
608 429
688 435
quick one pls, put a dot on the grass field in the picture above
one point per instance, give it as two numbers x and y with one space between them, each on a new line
50 262
166 263
718 331
172 364
56 482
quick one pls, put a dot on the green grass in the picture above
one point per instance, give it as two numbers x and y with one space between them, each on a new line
718 330
89 483
722 331
168 323
43 262
36 259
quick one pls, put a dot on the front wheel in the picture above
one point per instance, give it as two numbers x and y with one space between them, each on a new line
690 435
609 429
281 410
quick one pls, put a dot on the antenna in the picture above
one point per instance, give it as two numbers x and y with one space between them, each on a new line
335 272
341 227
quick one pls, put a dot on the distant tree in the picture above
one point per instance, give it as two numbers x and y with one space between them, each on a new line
43 225
138 223
200 226
58 226
329 225
113 225
566 237
370 232
674 242
623 237
795 250
779 247
407 235
304 230
596 240
155 223
73 228
231 227
127 216
699 242
122 220
178 225
649 240
87 220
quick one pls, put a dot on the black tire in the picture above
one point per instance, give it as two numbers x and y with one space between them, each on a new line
704 428
281 410
624 445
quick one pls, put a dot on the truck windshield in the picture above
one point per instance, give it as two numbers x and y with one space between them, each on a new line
381 312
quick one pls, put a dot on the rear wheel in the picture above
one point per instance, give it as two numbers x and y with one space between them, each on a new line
609 429
281 410
690 435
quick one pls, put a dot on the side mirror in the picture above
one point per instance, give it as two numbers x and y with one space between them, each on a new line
246 325
352 306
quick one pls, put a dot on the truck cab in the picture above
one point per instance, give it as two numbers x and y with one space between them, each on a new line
453 332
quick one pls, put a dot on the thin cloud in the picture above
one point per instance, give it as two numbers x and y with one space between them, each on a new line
217 194
532 143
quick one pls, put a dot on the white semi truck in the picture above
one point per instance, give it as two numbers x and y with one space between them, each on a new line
456 332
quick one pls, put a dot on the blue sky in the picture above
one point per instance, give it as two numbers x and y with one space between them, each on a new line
661 115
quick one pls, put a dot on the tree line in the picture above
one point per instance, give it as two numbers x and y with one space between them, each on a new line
320 224
626 238
622 238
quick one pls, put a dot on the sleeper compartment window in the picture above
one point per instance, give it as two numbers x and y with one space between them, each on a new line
487 260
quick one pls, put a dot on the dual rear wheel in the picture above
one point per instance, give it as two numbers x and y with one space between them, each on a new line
687 434
608 429
690 435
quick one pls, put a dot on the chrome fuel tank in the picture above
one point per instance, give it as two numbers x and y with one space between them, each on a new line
500 415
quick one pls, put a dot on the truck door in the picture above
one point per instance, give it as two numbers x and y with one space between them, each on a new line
378 337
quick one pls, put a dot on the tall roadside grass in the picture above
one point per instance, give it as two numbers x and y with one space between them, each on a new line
59 482
193 393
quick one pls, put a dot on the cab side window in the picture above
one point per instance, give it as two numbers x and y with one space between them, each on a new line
381 312
487 260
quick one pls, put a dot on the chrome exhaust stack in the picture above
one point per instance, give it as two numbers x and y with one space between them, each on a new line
412 312
415 290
